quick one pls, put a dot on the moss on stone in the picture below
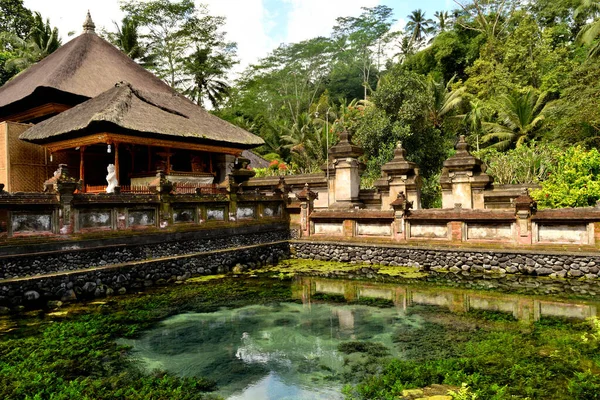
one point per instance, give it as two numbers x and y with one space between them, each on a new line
402 272
205 278
290 268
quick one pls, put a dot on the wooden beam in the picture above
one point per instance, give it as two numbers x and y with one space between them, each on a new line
82 167
168 171
37 112
131 150
117 162
111 138
149 159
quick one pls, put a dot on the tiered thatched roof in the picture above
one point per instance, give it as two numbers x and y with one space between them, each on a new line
84 67
128 110
88 67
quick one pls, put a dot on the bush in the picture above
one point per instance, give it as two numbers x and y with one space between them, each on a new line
275 168
574 181
523 165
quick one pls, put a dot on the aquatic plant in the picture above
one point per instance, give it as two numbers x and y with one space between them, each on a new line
77 357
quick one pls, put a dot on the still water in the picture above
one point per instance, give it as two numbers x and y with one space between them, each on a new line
291 350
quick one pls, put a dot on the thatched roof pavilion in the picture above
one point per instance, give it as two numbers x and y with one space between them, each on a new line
88 97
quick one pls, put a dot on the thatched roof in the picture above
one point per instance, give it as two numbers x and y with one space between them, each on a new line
86 66
256 161
130 110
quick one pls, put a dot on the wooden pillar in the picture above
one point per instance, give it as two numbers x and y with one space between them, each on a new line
82 168
131 150
117 162
149 160
168 161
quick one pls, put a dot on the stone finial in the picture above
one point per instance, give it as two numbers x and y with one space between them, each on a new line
306 194
463 160
525 202
345 148
281 187
401 204
400 152
161 184
88 24
462 146
399 165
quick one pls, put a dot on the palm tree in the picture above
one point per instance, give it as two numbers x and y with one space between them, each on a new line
127 39
519 116
475 117
418 26
306 140
444 101
406 48
206 74
443 18
41 42
589 9
44 36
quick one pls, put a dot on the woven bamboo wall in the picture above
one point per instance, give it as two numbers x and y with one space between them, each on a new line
26 161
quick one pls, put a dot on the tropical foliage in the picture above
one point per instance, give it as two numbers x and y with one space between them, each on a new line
515 76
25 38
574 181
184 43
508 74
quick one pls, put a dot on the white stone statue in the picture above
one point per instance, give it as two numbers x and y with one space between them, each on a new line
111 178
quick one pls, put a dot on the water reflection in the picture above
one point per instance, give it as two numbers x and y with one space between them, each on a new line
522 307
290 350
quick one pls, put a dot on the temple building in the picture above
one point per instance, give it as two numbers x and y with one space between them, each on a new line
90 106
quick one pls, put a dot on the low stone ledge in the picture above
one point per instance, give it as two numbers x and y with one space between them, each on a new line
353 215
64 260
587 214
461 215
478 246
92 241
454 260
122 278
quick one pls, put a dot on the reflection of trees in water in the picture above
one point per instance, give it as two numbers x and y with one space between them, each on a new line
238 347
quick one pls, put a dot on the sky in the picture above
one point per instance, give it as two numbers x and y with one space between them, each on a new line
257 26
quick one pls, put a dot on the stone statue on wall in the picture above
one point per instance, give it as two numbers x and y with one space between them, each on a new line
111 178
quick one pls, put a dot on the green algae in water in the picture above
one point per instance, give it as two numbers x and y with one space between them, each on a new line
282 351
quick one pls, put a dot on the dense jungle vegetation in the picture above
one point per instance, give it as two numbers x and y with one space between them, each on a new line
518 78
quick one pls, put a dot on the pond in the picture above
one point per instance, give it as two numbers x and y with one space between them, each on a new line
311 346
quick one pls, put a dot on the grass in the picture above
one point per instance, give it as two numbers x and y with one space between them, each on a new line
491 358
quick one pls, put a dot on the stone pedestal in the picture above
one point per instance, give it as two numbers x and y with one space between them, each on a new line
401 208
347 170
399 176
239 174
525 206
464 179
65 186
307 200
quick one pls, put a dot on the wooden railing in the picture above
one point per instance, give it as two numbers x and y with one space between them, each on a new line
136 189
198 188
95 189
180 188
